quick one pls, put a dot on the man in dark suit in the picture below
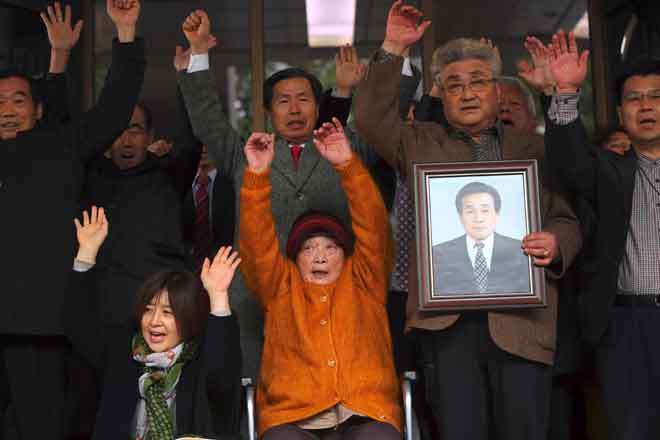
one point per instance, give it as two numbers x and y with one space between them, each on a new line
481 261
620 306
41 171
487 374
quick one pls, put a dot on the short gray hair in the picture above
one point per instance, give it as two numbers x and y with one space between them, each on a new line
464 49
526 92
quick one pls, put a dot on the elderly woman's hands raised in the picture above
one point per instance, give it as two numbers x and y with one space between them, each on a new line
332 143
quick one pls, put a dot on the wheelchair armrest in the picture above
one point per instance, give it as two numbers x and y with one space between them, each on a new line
407 378
248 385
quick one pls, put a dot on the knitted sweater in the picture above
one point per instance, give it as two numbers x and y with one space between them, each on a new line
324 344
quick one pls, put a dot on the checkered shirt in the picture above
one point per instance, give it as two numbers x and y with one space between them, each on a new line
639 270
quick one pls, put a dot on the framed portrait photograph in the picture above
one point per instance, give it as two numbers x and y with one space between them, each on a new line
471 219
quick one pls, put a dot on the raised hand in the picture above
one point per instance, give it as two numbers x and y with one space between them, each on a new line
217 275
403 28
160 148
348 69
124 14
91 234
538 74
61 35
332 143
260 151
182 57
567 65
197 29
543 247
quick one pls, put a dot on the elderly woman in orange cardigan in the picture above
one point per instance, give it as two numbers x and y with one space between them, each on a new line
327 370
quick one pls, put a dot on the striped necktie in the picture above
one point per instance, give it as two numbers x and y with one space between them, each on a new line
202 224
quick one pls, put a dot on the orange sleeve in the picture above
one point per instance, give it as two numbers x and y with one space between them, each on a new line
373 255
263 267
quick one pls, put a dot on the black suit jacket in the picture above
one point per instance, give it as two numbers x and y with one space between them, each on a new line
454 273
208 392
222 209
605 181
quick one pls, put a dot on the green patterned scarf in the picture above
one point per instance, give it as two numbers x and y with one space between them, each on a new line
157 386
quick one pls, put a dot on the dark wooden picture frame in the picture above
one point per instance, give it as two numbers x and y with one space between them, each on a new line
446 267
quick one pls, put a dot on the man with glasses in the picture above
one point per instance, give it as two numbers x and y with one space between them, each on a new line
488 374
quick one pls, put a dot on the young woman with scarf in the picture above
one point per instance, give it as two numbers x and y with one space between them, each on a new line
175 369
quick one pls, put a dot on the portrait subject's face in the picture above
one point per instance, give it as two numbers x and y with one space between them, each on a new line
478 215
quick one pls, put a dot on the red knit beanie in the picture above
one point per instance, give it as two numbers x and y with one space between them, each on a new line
314 224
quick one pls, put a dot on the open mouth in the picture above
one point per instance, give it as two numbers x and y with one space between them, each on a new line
296 125
156 337
9 125
647 122
319 273
470 108
127 153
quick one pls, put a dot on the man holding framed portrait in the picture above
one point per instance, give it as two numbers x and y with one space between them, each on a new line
488 372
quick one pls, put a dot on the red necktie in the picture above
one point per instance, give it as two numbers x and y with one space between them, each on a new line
202 225
296 150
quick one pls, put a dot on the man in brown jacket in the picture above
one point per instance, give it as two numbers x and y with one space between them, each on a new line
488 374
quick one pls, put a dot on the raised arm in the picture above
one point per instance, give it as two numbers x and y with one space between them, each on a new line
559 70
110 116
62 37
222 349
373 253
377 108
209 122
264 268
83 326
336 102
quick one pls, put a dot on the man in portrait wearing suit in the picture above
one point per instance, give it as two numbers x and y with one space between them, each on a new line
481 260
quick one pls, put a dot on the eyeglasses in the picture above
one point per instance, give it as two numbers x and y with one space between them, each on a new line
653 95
476 86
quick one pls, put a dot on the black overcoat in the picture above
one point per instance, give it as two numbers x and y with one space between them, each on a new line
41 177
